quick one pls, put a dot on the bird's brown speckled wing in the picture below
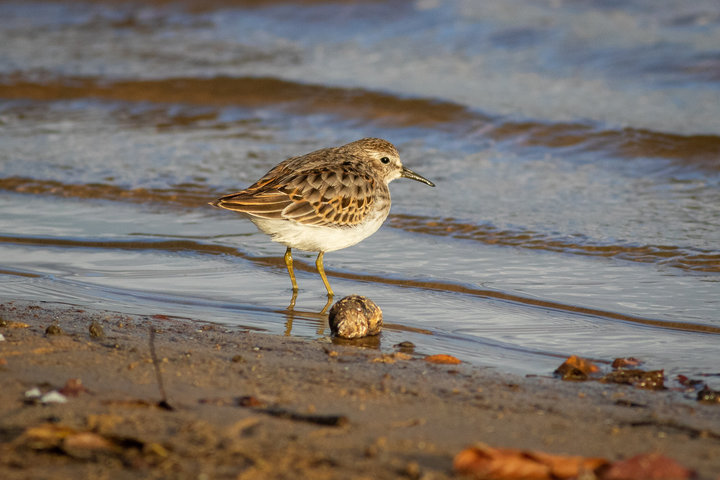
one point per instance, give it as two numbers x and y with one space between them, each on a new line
337 195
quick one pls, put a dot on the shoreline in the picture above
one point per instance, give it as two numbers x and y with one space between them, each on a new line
256 405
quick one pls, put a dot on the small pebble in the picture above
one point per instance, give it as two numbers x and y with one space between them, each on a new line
96 330
53 397
405 347
355 316
54 330
33 393
2 337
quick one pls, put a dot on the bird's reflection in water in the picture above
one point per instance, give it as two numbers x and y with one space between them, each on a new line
324 310
291 313
372 341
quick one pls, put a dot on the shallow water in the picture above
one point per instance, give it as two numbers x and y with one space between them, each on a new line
575 150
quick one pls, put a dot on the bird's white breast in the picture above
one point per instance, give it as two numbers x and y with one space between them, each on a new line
314 238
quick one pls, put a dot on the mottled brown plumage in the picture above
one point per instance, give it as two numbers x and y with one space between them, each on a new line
323 201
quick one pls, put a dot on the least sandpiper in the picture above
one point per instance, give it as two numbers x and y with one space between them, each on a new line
323 201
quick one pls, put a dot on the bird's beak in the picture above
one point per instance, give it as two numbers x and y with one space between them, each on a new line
407 173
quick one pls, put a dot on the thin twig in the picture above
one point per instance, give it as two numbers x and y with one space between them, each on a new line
163 403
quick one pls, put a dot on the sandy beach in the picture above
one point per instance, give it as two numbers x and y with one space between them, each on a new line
242 404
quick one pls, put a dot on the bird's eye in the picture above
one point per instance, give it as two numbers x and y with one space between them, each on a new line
385 160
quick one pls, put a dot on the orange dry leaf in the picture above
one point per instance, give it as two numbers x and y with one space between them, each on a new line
489 463
442 358
576 368
648 466
563 466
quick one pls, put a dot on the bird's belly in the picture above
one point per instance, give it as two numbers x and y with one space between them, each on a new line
315 238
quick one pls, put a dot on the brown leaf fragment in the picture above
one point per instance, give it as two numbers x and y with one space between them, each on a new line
648 380
484 462
647 466
626 362
706 395
160 316
576 368
73 387
443 359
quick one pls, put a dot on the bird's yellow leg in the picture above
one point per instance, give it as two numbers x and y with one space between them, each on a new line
292 306
321 271
291 271
324 311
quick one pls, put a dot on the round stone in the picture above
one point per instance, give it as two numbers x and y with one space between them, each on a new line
355 316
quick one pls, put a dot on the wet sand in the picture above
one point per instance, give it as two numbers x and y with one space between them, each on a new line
251 405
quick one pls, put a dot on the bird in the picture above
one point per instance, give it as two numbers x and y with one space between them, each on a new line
323 201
